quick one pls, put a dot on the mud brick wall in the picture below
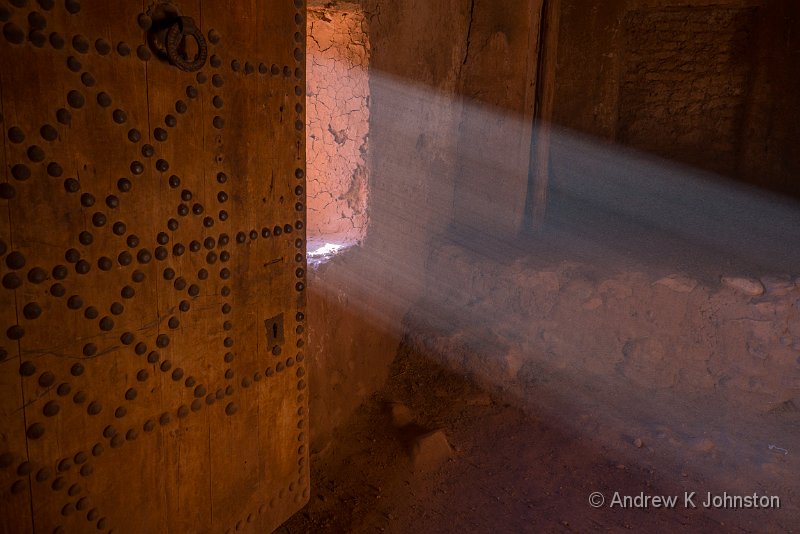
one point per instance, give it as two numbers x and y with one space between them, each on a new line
709 83
685 80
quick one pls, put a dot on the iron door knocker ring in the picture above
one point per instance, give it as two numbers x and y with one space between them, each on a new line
175 40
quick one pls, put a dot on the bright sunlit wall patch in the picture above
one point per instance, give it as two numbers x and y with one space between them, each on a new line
338 128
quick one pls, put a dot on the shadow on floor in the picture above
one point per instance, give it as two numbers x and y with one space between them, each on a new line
509 470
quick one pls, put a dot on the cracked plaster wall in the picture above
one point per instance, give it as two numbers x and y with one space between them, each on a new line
357 300
436 71
338 124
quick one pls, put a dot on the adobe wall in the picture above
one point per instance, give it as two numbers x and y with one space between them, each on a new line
707 83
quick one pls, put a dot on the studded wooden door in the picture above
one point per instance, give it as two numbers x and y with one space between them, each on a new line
153 266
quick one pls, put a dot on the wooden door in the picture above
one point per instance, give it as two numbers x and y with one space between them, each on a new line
153 266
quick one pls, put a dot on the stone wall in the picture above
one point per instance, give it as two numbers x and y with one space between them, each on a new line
736 338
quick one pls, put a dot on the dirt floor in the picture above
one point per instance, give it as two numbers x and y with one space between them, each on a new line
499 470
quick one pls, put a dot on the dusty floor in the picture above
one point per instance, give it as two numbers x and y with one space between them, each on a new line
508 471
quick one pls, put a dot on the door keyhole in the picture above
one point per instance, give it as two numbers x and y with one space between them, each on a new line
274 331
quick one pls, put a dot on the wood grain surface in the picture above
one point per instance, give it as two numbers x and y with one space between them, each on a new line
152 242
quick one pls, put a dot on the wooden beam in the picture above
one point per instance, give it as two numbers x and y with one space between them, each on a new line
543 116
